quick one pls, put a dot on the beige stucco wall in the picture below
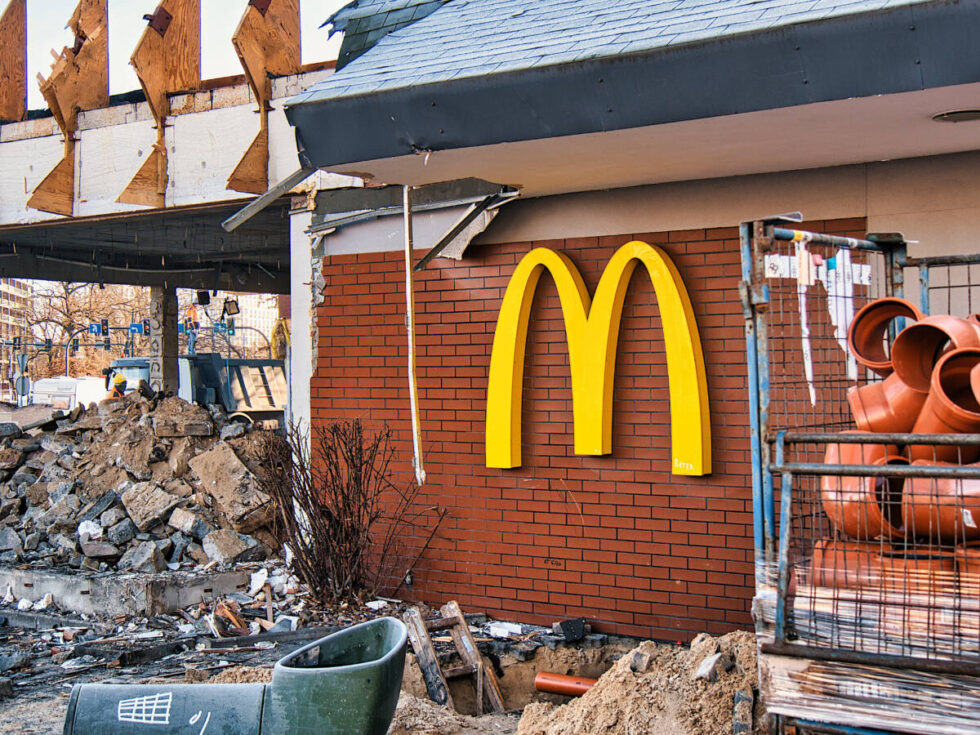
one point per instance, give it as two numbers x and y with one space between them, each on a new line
934 200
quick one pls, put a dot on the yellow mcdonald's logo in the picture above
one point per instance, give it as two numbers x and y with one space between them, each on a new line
592 330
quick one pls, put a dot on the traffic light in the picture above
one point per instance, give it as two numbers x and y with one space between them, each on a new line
75 344
105 327
106 344
231 325
47 344
16 343
146 327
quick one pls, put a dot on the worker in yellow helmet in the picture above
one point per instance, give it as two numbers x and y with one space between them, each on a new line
118 386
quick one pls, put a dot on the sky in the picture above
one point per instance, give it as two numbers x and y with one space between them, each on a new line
46 30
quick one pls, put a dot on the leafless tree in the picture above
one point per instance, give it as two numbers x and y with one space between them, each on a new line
58 310
338 509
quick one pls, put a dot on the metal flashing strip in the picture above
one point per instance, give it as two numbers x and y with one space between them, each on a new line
345 219
467 227
264 200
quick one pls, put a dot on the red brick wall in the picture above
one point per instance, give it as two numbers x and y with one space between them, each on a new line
616 539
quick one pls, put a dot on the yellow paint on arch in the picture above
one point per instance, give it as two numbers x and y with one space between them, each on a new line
592 330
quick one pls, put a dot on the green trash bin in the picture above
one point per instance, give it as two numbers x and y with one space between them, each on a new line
345 684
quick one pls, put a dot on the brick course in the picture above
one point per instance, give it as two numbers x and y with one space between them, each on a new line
617 538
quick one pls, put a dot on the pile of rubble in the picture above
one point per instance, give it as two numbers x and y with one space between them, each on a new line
138 483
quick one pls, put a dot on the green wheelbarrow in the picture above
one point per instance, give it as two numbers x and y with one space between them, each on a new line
345 684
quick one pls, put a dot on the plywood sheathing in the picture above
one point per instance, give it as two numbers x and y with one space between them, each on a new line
79 80
167 59
267 41
13 61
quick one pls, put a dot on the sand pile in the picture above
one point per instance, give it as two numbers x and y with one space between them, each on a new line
653 689
416 716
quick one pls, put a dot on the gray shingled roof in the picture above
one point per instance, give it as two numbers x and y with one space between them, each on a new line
472 38
365 22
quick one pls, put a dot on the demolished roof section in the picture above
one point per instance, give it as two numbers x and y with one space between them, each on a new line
365 22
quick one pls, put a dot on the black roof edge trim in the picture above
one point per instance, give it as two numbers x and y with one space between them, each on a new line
904 49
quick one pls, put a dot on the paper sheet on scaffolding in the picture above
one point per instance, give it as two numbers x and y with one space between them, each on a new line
838 279
804 278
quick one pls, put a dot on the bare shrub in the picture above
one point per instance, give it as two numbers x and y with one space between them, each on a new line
337 508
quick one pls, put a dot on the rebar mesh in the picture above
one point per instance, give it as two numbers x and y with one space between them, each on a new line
883 565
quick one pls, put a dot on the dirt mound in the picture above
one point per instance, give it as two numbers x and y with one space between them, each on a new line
416 716
243 675
661 695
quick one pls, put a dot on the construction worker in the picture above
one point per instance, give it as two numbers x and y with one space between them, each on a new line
118 386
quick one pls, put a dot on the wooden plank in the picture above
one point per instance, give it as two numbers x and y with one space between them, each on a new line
435 683
277 384
458 671
13 61
268 44
79 80
144 188
56 192
167 59
251 175
471 655
440 624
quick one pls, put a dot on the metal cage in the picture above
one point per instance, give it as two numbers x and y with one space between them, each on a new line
867 578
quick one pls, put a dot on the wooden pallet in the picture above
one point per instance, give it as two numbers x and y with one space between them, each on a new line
435 678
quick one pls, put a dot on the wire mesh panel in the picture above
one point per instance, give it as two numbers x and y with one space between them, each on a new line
879 546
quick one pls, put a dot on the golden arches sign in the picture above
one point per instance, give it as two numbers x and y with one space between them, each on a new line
592 330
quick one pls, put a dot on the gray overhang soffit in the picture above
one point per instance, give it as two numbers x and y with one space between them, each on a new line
904 48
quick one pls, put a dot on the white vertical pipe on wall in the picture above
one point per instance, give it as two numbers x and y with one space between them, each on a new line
413 389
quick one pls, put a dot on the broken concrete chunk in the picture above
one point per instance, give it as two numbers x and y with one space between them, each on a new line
10 458
111 517
148 505
196 552
232 430
31 541
175 417
9 428
26 444
640 662
57 445
236 491
711 667
180 542
6 688
12 661
62 511
10 540
121 533
98 506
744 701
144 557
61 541
99 549
89 531
190 523
60 490
227 547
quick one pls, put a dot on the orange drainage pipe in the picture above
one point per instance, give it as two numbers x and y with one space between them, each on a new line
573 686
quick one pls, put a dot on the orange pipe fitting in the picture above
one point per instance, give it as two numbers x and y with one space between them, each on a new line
918 347
869 328
572 686
863 507
885 406
950 408
857 564
945 509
